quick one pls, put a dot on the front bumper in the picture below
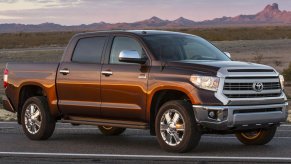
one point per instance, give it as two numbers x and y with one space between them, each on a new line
240 117
7 105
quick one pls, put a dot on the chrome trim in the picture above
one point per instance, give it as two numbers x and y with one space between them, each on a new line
223 73
129 54
250 80
252 91
227 119
142 76
64 71
107 73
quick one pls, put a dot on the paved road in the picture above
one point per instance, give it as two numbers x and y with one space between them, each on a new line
85 144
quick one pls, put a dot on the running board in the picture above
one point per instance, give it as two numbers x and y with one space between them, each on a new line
105 122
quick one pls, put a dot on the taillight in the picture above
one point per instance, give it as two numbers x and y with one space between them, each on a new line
5 78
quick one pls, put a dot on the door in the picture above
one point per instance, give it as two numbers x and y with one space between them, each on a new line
78 81
124 85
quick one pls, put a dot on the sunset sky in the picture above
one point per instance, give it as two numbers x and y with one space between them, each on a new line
74 12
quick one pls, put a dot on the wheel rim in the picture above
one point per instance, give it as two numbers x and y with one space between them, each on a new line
32 119
172 127
251 135
107 127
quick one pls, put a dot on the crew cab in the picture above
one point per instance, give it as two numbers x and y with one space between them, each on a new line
179 86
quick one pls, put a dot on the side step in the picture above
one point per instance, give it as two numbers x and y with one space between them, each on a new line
105 122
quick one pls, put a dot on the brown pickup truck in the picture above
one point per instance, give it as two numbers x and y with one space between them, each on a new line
179 86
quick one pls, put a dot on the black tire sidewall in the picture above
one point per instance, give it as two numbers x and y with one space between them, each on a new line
47 123
265 137
192 134
114 131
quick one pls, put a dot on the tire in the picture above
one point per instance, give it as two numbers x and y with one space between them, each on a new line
111 131
40 125
177 134
257 137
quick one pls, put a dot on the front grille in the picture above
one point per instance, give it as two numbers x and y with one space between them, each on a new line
243 87
249 86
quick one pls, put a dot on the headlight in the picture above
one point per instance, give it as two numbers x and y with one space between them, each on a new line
282 81
205 82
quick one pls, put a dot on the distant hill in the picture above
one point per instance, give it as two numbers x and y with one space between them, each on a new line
270 15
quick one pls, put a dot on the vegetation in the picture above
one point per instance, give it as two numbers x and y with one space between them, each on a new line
239 33
25 40
287 73
29 40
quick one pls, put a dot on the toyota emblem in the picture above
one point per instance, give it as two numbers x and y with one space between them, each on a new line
258 86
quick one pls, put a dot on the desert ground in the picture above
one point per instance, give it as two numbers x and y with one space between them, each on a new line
276 53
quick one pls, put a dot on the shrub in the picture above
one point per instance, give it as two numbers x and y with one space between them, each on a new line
277 63
287 73
258 57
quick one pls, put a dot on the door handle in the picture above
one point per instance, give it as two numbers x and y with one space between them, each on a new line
65 71
106 73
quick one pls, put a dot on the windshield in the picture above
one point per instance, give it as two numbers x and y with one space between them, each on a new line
174 47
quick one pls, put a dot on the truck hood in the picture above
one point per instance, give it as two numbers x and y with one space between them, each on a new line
211 67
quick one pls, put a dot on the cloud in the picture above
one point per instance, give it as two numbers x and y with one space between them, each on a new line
20 5
8 1
4 17
70 12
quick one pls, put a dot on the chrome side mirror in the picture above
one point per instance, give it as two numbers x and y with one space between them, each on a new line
227 54
130 56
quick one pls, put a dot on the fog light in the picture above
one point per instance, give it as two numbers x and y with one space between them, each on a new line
212 114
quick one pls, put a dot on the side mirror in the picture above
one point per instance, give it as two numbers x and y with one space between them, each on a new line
131 57
227 54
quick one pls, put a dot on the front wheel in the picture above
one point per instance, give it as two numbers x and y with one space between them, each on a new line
36 120
256 137
176 127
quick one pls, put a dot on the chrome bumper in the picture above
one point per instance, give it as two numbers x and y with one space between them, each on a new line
230 117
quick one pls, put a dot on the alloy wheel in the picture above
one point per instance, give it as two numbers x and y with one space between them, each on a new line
172 127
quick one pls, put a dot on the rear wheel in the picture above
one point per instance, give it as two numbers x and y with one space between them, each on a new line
111 131
176 127
256 137
36 120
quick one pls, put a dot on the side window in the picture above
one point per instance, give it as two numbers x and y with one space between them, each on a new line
89 50
123 43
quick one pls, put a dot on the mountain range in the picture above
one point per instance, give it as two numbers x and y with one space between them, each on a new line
270 15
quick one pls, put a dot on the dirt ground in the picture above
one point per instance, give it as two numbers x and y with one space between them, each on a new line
7 116
276 53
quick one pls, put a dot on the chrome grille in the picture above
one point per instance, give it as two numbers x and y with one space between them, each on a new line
242 87
249 86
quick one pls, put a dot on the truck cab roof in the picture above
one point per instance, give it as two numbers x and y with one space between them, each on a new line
135 32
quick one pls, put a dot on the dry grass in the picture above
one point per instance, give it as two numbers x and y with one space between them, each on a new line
28 40
43 39
262 51
7 116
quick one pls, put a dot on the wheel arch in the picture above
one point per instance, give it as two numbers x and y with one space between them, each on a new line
27 91
161 96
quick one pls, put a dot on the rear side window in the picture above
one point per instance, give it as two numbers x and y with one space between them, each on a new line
89 50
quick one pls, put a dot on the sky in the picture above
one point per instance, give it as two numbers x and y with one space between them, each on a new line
75 12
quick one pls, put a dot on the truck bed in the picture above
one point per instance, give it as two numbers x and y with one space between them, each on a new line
39 74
